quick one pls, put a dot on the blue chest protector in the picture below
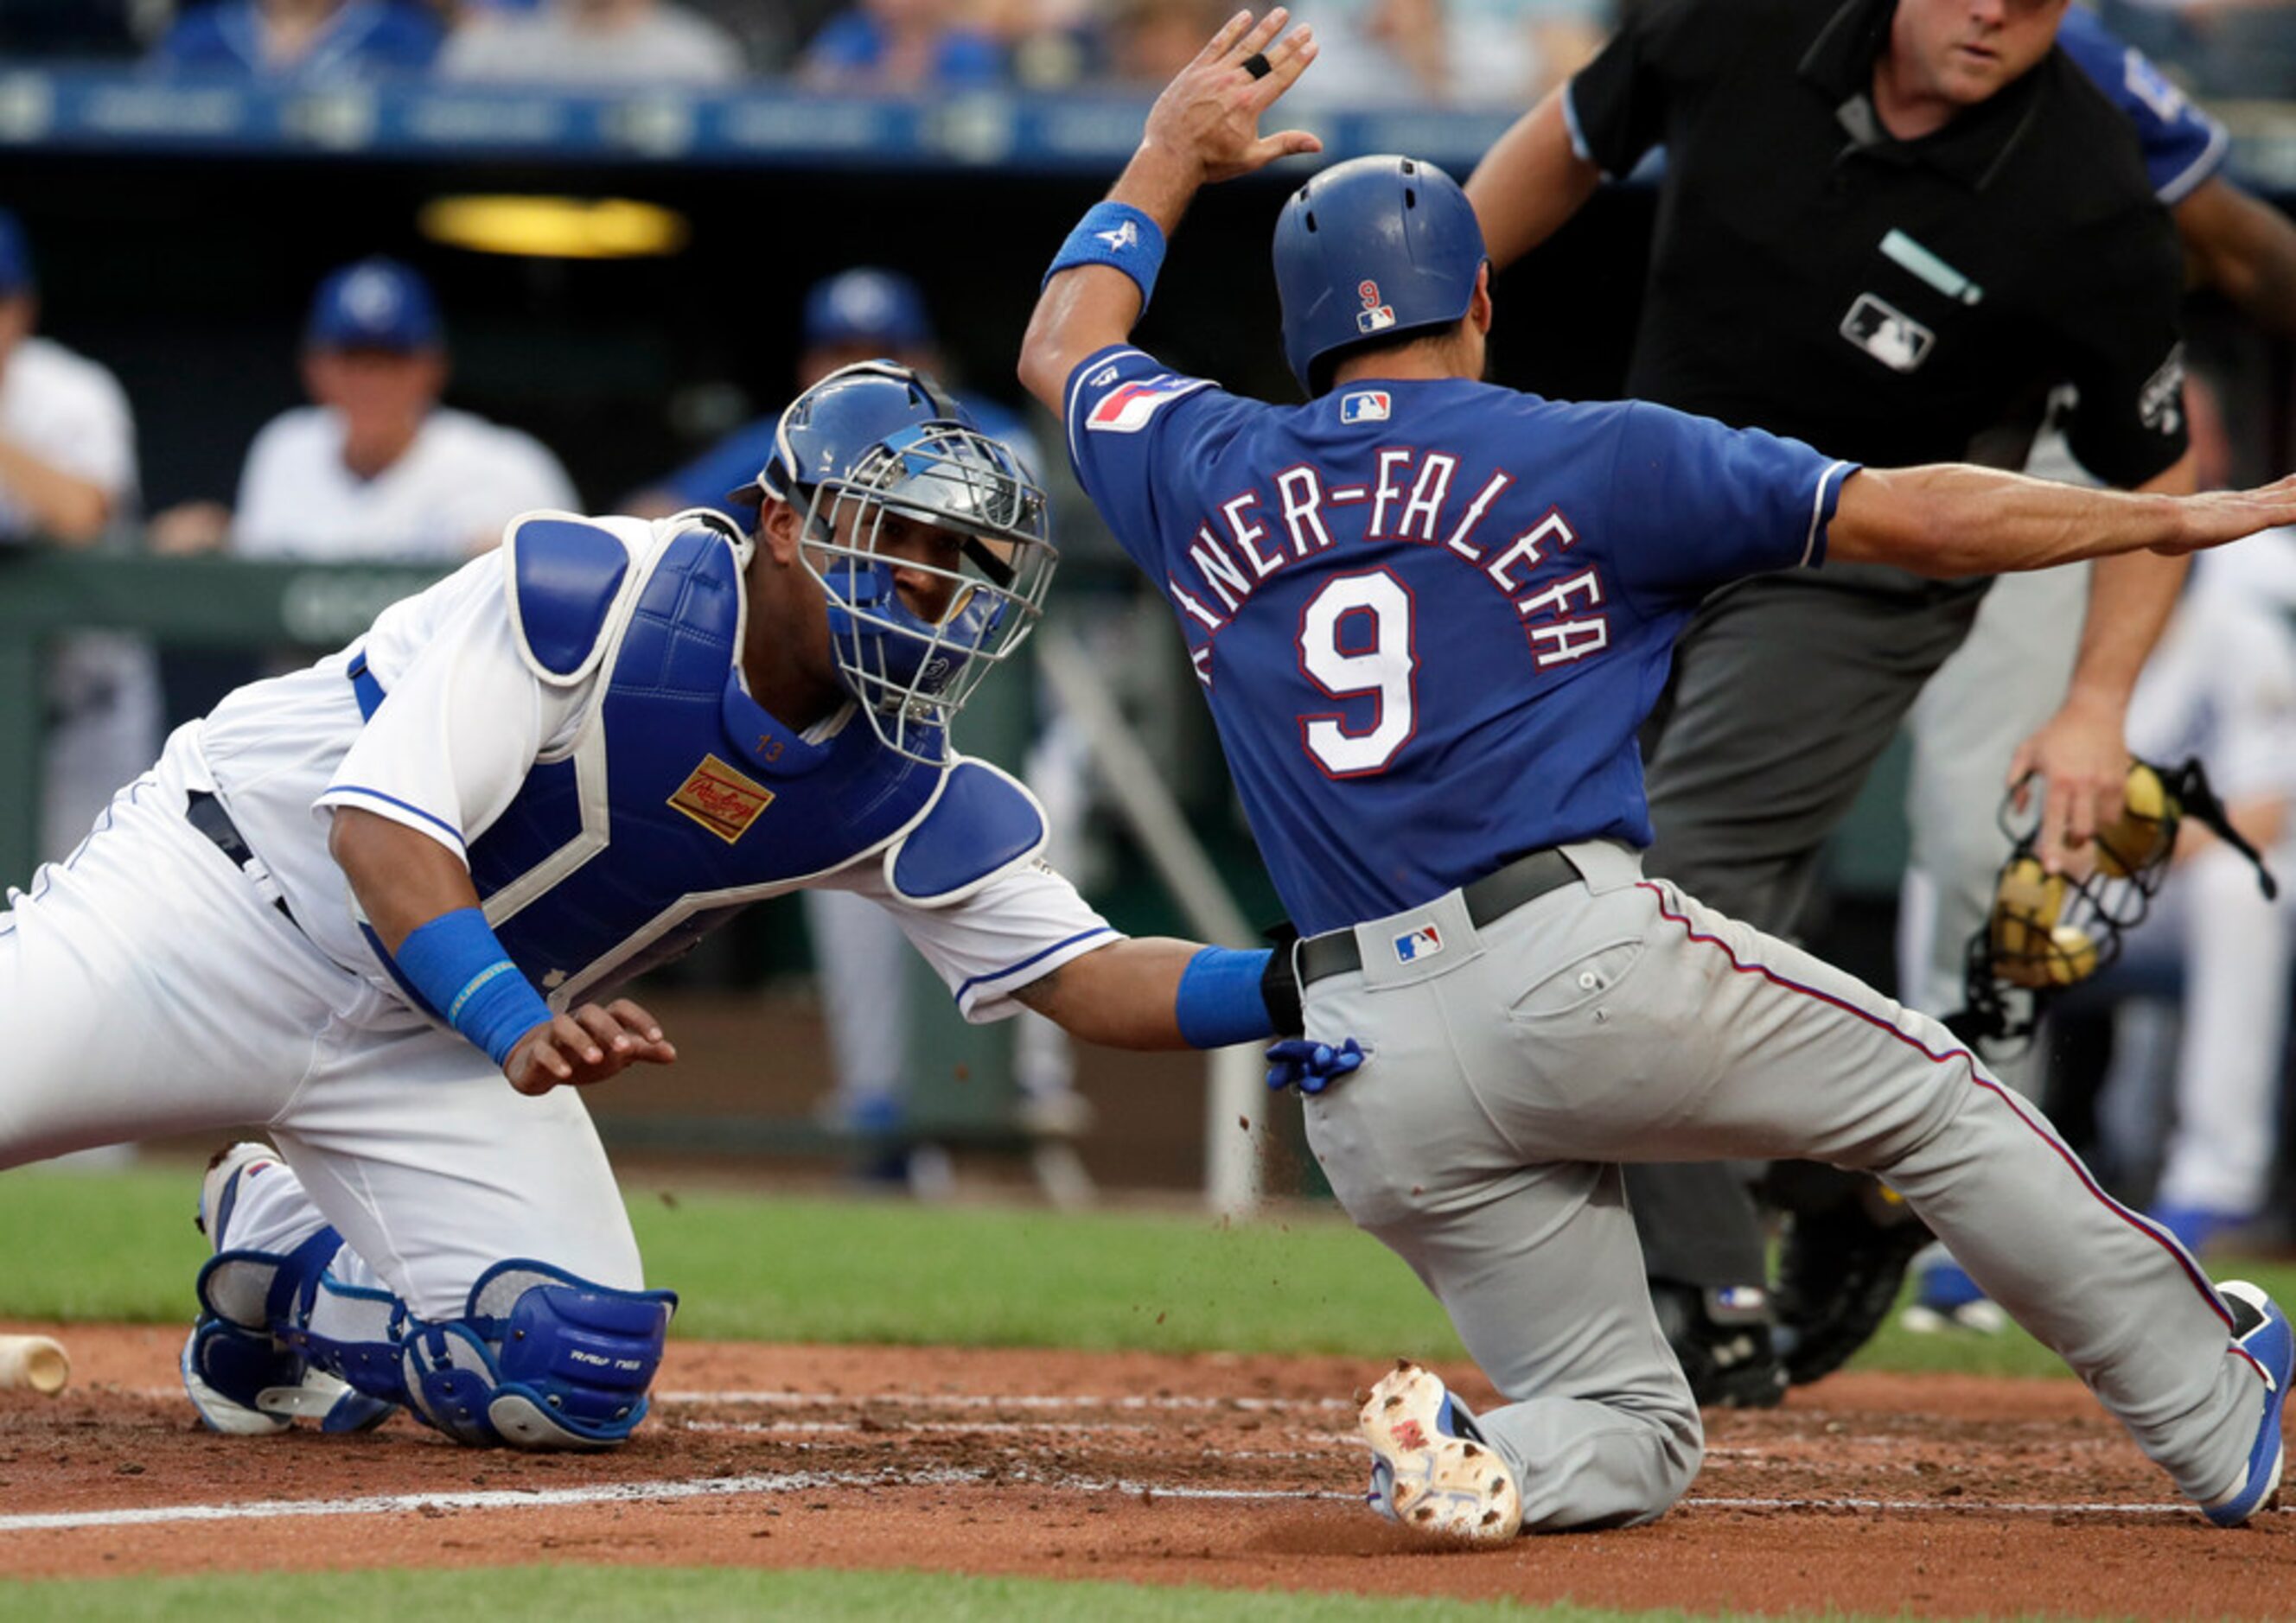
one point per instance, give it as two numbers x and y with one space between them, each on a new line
681 801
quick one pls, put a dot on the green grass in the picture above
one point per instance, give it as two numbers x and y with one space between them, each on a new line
121 1246
582 1594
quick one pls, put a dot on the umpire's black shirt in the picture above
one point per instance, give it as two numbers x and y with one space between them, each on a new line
1891 302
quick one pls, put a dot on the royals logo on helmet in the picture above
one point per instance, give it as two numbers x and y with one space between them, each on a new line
1414 944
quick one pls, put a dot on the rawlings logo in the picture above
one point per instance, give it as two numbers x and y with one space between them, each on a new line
721 800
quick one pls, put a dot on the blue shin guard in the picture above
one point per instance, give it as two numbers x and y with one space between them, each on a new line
542 1359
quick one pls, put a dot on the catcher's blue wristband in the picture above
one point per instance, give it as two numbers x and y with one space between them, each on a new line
1120 237
1219 1001
458 964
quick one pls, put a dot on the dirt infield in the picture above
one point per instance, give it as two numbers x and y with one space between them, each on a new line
1933 1496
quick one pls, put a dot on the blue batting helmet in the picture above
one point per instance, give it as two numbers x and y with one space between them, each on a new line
1373 248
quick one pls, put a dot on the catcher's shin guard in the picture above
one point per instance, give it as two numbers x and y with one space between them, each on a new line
541 1359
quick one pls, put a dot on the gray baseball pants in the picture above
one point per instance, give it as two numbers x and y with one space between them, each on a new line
1616 1018
1786 689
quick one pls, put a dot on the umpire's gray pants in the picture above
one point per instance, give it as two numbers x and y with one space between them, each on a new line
1617 1018
1786 689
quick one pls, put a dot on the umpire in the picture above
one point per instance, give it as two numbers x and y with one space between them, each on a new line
1887 227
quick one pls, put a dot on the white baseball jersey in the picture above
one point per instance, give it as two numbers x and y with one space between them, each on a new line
2221 685
449 494
466 722
104 688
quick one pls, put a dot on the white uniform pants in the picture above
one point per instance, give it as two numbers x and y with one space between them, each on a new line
1616 1019
152 990
2234 947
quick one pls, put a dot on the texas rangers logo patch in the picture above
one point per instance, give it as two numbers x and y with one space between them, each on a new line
1127 409
1414 944
1374 316
1366 405
721 800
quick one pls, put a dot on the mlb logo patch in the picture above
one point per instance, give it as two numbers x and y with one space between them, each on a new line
1413 945
1887 334
1128 409
1366 405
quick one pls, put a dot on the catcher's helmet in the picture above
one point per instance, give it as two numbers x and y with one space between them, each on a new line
824 428
1372 248
877 442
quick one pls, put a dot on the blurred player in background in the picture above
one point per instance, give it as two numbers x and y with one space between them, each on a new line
1429 616
381 906
594 43
1887 227
308 41
68 476
853 316
375 469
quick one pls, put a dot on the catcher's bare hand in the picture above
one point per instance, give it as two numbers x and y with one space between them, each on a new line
2081 755
1208 117
586 1044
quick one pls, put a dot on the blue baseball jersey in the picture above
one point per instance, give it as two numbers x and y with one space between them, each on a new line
1430 616
2182 145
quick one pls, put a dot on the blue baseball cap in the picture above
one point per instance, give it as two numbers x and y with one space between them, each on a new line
15 258
375 304
870 307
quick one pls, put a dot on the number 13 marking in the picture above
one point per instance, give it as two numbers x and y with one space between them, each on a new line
1334 656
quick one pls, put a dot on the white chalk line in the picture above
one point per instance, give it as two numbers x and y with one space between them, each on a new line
788 1483
942 1400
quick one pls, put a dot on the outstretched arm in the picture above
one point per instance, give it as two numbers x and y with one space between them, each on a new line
1948 519
1155 992
1531 182
1204 127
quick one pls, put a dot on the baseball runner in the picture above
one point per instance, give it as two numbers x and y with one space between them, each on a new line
352 901
1429 616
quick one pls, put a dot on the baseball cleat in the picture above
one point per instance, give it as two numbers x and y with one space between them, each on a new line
241 1381
1428 1473
2261 1331
1948 1298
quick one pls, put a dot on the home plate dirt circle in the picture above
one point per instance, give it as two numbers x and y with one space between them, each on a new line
1931 1496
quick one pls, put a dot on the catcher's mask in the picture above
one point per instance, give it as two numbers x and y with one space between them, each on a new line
931 546
2046 931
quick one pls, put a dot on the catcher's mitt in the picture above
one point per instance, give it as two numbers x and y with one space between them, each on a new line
2048 931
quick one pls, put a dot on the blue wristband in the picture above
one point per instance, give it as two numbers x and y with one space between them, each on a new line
1219 1001
1120 237
460 968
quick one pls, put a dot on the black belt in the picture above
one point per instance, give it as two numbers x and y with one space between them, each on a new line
1489 899
206 814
